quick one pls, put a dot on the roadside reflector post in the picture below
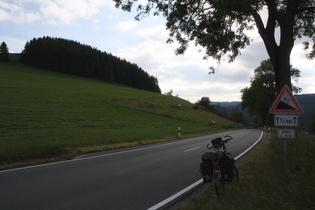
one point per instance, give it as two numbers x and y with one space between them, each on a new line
178 131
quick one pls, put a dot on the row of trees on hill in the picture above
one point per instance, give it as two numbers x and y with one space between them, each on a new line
236 115
71 57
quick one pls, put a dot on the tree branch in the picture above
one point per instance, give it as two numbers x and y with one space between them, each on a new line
309 9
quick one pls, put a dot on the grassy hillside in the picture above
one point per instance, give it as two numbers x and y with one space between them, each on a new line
47 115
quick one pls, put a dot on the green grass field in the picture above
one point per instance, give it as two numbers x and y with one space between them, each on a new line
267 181
46 115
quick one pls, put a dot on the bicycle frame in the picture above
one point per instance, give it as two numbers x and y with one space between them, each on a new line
216 175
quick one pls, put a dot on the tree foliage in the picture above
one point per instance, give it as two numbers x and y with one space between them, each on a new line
220 26
238 116
4 52
261 94
73 58
204 102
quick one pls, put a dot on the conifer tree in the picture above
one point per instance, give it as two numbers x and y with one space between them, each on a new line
4 52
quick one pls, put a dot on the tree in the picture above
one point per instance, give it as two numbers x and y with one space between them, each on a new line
205 102
4 52
238 116
259 97
169 93
220 27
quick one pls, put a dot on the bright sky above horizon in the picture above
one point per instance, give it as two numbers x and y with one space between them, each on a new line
99 24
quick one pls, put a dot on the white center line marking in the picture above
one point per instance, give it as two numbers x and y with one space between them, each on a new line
188 150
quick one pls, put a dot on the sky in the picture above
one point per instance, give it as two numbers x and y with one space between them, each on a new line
99 24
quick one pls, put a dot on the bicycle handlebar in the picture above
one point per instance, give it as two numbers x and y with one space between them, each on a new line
226 140
209 147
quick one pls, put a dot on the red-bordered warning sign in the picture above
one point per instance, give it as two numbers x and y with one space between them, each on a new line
286 103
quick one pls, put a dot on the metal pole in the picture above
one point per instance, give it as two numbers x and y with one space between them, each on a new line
285 150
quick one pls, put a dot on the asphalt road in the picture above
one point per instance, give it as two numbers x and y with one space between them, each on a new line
129 179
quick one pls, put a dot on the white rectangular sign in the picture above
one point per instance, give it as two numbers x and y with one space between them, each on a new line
286 120
286 133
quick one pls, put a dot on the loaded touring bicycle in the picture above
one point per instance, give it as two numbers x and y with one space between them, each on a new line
218 166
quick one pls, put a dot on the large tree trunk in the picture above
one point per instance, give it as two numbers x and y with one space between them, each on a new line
283 76
280 59
279 54
282 70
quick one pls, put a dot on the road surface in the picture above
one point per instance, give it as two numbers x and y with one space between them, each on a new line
130 179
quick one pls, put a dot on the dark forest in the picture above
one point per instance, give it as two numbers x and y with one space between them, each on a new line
71 57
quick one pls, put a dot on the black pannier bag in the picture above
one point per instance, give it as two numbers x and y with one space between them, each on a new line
206 167
227 168
206 170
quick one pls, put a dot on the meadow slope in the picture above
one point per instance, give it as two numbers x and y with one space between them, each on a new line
47 115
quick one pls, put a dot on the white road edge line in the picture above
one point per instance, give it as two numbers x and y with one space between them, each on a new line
175 196
243 153
188 150
199 182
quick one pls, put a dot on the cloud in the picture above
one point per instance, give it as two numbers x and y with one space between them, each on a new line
126 25
299 60
67 11
17 14
307 84
306 66
50 11
187 75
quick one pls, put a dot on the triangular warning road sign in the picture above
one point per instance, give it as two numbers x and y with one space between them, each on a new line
286 103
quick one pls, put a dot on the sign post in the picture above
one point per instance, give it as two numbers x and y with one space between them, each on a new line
286 110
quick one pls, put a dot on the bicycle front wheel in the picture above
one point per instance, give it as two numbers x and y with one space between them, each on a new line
219 184
219 188
236 177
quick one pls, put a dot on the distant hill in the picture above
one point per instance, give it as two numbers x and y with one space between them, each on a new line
226 109
229 104
306 101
